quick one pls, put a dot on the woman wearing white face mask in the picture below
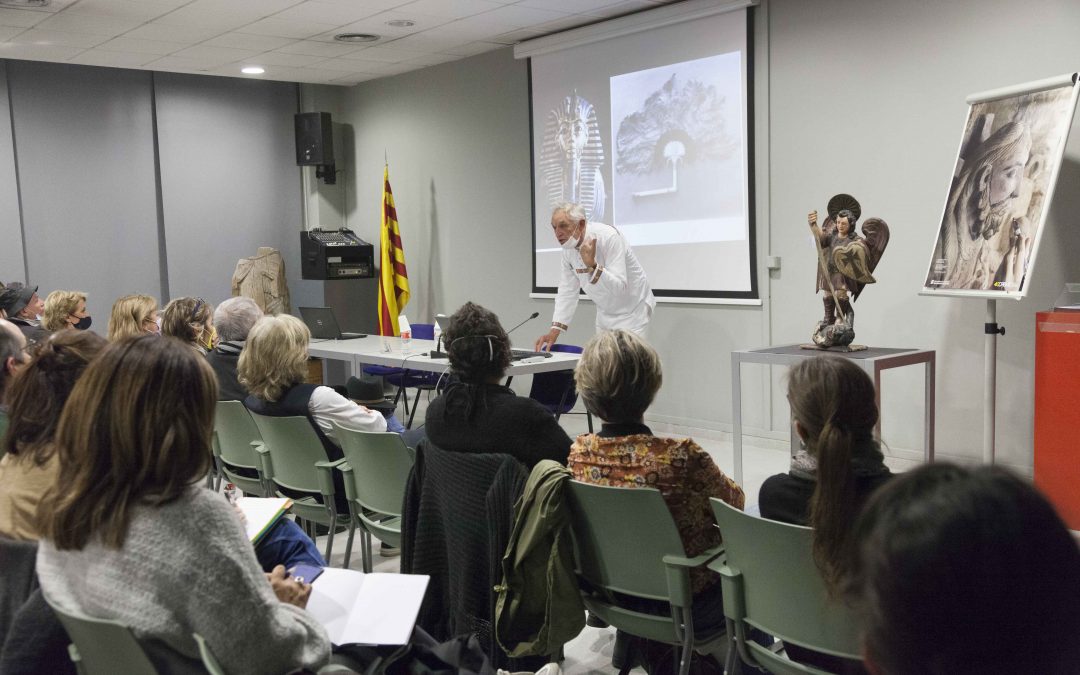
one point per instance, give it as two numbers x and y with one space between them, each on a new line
190 320
134 315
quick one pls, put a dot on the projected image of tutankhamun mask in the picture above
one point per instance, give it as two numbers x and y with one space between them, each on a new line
571 157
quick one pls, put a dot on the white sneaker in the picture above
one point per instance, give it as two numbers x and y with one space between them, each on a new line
549 669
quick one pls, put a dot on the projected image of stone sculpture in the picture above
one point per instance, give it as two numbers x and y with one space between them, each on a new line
846 262
572 156
680 123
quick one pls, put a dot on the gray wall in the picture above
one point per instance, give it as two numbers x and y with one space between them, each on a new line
851 96
84 146
86 176
11 252
229 179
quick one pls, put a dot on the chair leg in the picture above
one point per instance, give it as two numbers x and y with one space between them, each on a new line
416 404
349 543
366 553
331 528
588 416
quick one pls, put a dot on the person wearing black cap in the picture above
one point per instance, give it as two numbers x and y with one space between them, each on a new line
23 308
368 392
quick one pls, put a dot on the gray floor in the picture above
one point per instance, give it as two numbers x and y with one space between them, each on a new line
590 652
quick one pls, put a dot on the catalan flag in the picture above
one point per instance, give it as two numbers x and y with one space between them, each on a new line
393 278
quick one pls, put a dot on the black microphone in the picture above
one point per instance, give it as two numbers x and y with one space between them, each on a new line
531 317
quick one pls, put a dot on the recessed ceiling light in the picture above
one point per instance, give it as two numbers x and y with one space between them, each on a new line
25 3
356 37
401 23
253 70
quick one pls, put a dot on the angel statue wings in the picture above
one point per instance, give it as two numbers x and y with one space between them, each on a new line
846 263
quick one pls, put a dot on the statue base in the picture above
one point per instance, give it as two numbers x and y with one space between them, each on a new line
843 349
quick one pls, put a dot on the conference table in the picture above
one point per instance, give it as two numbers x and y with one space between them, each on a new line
375 350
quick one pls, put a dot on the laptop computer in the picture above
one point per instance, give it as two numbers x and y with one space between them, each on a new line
323 324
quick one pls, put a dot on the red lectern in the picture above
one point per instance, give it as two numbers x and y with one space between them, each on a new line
1057 411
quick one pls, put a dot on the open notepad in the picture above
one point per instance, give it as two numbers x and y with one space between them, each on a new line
371 609
261 513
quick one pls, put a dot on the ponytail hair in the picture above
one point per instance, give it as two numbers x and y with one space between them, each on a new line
832 399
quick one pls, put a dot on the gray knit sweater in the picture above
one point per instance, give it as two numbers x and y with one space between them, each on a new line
187 567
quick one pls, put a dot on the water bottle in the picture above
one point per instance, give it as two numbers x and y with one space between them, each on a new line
405 332
438 334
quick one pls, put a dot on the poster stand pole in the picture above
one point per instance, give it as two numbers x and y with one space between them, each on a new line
991 330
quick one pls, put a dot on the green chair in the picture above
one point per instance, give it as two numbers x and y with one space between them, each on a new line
102 647
376 471
235 440
646 560
772 583
209 661
3 430
294 461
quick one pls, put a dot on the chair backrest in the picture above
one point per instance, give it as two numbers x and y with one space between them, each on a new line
235 431
615 556
783 593
555 390
3 430
380 463
103 647
294 448
423 331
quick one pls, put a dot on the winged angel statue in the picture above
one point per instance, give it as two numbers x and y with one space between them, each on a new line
846 262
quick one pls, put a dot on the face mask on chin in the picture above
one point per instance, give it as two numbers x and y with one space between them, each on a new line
571 243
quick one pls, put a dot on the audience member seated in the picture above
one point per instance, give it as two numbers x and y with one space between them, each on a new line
959 570
24 309
233 320
617 378
65 309
35 399
475 413
129 533
832 403
190 321
132 316
13 356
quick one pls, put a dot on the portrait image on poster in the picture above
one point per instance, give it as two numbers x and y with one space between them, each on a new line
998 198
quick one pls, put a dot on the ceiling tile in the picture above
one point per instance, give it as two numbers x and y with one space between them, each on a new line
384 54
99 57
88 23
429 42
39 36
620 8
21 17
567 6
520 17
313 48
178 64
38 52
259 43
264 7
373 5
326 12
286 28
431 59
516 36
214 56
351 80
473 48
223 21
8 32
353 66
454 9
138 46
128 9
377 25
282 59
166 33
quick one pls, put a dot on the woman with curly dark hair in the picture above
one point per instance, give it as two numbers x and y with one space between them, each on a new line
478 414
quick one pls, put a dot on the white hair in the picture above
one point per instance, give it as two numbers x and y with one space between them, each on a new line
234 318
575 211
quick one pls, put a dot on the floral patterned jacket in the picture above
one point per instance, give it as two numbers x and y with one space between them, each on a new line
679 468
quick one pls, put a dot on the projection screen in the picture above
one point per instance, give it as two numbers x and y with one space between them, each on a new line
645 121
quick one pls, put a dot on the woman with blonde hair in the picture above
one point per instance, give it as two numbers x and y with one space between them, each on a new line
65 309
129 533
190 320
132 316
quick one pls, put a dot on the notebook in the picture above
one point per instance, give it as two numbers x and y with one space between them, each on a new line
260 514
370 609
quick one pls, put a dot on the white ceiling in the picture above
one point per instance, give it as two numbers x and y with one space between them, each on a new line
292 39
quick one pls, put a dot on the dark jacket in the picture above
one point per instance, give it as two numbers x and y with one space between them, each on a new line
223 360
786 498
492 418
533 618
457 516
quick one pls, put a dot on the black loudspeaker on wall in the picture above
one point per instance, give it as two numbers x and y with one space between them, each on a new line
314 139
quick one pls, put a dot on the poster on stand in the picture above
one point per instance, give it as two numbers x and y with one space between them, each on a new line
1001 188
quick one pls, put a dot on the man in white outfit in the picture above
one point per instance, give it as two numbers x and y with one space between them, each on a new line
597 259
